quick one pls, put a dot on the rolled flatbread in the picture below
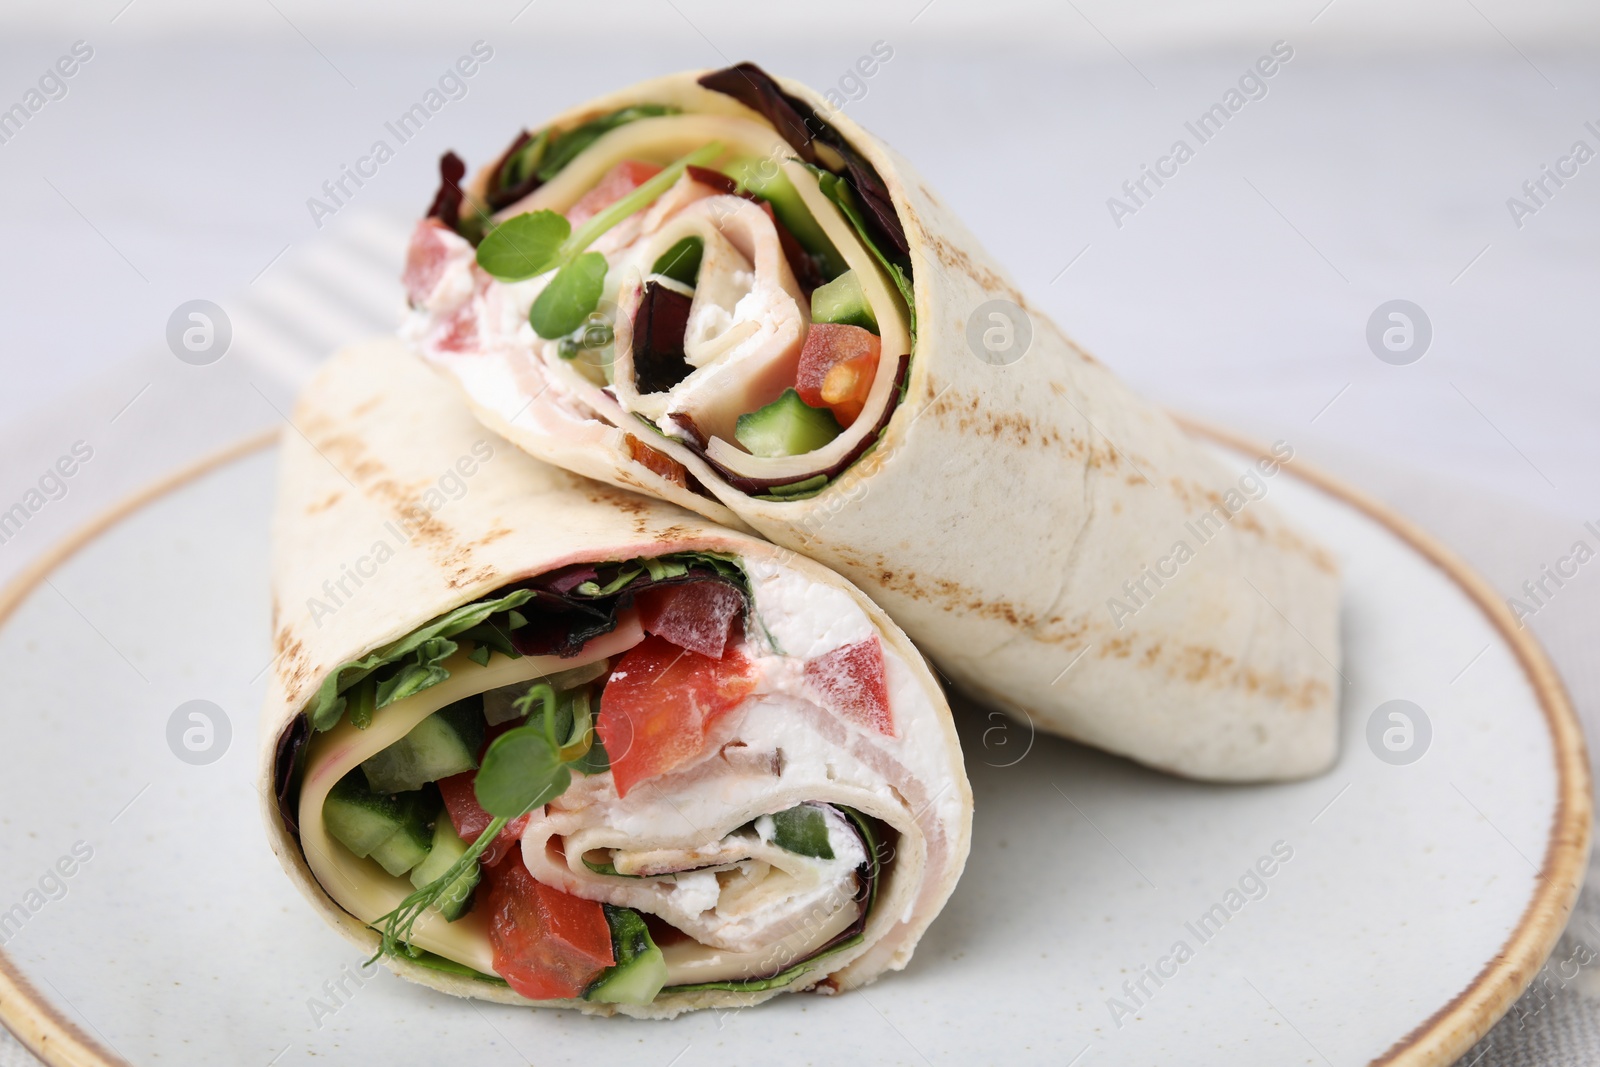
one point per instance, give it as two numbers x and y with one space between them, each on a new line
716 289
544 741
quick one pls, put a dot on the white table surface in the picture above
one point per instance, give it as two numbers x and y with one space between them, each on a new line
178 166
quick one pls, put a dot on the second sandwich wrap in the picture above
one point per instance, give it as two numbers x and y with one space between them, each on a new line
718 290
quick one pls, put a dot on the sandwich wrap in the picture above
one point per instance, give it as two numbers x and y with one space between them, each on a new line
717 289
541 740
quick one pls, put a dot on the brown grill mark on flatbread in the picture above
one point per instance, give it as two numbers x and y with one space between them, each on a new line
290 658
325 503
365 407
462 580
1106 457
348 453
623 501
1120 647
677 533
1204 665
950 595
1203 501
972 417
957 259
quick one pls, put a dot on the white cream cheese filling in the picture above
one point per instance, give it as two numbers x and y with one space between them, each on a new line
699 840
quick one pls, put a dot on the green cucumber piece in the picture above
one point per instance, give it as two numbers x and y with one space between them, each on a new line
681 262
445 743
409 844
360 819
802 830
446 848
786 427
640 970
842 301
766 179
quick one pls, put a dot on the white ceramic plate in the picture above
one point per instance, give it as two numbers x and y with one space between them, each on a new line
1407 904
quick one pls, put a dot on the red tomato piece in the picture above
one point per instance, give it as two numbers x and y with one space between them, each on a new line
619 181
548 945
837 365
852 681
659 704
470 820
698 616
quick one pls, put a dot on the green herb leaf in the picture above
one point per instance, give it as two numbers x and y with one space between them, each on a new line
521 771
569 298
524 245
681 262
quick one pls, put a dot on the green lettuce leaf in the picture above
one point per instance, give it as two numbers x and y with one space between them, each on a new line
411 664
836 189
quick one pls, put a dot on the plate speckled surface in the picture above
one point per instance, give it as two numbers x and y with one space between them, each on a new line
1387 911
